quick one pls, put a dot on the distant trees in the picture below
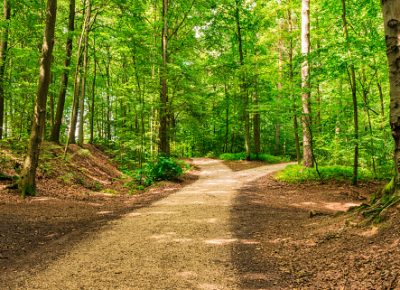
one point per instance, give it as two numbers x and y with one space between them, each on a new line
194 78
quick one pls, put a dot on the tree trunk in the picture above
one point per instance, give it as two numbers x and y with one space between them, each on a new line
109 105
85 68
164 147
353 85
227 104
77 86
293 97
55 131
93 93
3 58
305 85
27 184
243 86
391 17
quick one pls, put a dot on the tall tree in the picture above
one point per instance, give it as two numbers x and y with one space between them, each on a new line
27 184
3 57
55 131
391 17
243 84
305 85
84 74
164 146
353 85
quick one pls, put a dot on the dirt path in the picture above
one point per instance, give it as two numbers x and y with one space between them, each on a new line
181 242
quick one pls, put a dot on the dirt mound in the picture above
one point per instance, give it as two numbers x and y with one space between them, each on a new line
81 171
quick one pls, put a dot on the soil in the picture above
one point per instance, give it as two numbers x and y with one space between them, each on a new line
238 229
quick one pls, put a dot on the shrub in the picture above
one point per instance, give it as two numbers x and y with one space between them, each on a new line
298 173
165 168
261 157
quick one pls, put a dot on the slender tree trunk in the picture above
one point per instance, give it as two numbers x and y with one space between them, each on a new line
77 86
85 68
391 18
93 93
293 97
109 105
164 146
256 125
353 85
55 130
3 58
305 85
243 86
277 148
27 184
365 90
227 104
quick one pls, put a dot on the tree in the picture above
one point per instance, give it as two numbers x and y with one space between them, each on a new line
3 58
27 183
391 17
305 85
164 146
353 86
55 131
243 85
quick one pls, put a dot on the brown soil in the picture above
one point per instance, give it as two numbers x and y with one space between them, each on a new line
303 243
75 199
227 230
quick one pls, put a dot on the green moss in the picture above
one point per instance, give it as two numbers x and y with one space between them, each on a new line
27 190
84 153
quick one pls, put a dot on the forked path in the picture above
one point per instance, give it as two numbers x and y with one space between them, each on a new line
181 242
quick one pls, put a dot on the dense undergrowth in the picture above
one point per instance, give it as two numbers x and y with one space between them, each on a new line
298 174
255 157
162 168
89 167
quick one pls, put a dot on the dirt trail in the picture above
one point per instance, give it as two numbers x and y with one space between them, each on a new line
181 242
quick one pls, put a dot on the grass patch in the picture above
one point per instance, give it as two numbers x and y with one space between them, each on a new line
298 174
260 157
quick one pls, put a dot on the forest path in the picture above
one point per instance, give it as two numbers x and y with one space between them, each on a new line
181 242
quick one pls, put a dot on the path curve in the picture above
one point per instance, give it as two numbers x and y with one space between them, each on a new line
181 242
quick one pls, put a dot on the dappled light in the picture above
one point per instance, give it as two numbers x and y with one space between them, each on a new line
331 206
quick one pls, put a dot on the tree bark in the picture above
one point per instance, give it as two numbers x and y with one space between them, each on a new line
3 58
391 17
293 97
243 86
164 147
305 85
77 86
55 131
27 184
353 85
93 93
85 68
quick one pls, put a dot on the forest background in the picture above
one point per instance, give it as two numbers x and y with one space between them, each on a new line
233 79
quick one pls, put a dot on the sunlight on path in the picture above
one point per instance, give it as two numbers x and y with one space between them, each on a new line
180 242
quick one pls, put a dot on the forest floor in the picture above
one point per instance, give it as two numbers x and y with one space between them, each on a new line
236 227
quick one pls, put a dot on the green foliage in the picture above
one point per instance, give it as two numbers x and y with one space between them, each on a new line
298 174
261 157
164 168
